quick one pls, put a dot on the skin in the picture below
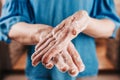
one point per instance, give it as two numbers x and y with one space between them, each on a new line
60 36
50 40
72 65
29 36
67 60
63 34
38 32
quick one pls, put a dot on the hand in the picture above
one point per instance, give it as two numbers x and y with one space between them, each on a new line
73 32
73 60
61 35
67 60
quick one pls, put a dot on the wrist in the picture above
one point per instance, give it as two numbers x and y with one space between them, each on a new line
90 23
40 32
35 34
84 20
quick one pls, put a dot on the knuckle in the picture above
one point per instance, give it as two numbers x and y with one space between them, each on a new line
54 50
74 32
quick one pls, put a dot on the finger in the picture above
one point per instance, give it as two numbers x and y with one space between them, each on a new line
60 64
44 40
37 62
34 54
42 47
55 49
43 34
75 57
54 33
61 39
73 71
45 44
50 65
58 34
40 53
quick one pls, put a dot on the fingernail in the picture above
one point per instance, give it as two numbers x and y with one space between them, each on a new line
49 66
62 69
31 57
73 73
82 68
33 65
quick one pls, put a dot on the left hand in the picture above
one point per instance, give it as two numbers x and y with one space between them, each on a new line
67 60
61 35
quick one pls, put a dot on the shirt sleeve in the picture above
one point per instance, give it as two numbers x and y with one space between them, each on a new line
106 9
14 11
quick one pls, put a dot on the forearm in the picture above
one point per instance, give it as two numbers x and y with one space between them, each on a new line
27 34
99 28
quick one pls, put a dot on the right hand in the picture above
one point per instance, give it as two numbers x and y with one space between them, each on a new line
67 60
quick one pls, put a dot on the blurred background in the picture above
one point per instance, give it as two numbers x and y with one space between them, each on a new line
13 57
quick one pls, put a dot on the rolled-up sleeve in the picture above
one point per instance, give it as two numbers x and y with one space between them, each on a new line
105 9
14 11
